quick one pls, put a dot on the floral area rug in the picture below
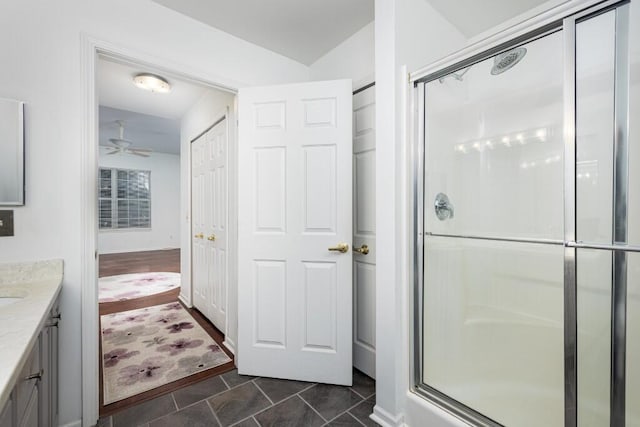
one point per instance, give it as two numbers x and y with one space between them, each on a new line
145 348
136 285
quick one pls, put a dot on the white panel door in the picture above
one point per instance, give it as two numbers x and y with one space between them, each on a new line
199 268
209 224
364 232
295 187
215 225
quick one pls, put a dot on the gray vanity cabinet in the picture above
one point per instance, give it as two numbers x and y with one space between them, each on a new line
6 416
34 398
49 383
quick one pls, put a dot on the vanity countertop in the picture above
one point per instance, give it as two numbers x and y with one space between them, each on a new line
27 294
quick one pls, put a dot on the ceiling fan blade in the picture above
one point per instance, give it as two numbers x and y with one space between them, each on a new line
113 151
139 153
141 150
149 150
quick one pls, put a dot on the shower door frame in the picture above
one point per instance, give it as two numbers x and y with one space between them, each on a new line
565 20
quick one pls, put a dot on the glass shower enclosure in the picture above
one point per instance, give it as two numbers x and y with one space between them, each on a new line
527 219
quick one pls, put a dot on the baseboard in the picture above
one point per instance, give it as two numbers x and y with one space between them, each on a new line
183 300
76 423
230 346
385 419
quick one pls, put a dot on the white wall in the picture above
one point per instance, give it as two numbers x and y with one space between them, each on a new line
165 204
407 33
352 59
209 108
42 65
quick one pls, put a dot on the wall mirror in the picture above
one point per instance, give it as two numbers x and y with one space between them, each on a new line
11 152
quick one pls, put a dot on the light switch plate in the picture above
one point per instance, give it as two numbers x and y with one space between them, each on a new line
6 223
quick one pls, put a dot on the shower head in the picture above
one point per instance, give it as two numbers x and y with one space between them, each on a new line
507 60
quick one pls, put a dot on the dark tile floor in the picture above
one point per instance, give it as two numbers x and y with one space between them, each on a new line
243 401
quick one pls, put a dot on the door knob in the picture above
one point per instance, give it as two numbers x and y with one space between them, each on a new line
212 238
443 207
199 236
340 247
364 249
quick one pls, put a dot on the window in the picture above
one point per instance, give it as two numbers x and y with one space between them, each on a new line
124 199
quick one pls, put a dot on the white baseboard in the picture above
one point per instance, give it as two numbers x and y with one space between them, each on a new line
386 419
230 346
184 301
76 423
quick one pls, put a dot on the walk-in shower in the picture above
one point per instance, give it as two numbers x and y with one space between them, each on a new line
527 294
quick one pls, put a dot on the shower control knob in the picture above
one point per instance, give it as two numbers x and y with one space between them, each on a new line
443 207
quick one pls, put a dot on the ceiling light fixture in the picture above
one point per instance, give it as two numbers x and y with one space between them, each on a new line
152 82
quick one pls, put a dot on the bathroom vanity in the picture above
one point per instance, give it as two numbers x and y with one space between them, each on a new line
29 322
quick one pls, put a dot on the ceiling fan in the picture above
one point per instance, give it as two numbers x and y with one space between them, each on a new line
122 145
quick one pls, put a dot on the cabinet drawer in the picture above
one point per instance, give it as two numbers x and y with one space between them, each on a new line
25 387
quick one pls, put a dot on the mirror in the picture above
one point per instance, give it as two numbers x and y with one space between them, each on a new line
11 152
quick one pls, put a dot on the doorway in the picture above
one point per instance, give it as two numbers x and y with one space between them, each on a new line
185 296
151 339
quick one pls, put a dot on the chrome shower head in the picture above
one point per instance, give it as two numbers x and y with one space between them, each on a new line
507 60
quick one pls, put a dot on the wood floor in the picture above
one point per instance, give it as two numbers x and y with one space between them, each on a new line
139 262
142 262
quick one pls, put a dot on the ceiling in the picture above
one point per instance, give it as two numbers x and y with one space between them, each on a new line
145 131
116 90
152 120
303 30
472 17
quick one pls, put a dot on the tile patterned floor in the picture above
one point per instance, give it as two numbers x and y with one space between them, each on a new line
243 401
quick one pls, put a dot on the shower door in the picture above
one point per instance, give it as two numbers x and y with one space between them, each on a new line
527 212
493 253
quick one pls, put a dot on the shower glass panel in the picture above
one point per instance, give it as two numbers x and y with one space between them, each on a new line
634 123
494 145
633 340
494 328
633 260
595 78
593 277
493 296
595 107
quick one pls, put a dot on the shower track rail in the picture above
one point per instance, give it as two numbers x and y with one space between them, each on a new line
623 247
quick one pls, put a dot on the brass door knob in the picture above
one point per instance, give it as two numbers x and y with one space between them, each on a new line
340 247
212 238
199 236
364 249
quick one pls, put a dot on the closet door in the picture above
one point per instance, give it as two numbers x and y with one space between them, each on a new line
215 224
199 268
209 224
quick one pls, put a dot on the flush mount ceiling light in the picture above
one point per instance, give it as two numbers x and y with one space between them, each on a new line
151 82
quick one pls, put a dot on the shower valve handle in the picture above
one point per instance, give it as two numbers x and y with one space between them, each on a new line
443 207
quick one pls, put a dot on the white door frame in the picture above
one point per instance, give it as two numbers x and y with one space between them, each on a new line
91 48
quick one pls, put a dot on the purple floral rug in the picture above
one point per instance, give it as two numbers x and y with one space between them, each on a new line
145 348
136 285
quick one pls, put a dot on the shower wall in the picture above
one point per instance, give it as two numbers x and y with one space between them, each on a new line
496 147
